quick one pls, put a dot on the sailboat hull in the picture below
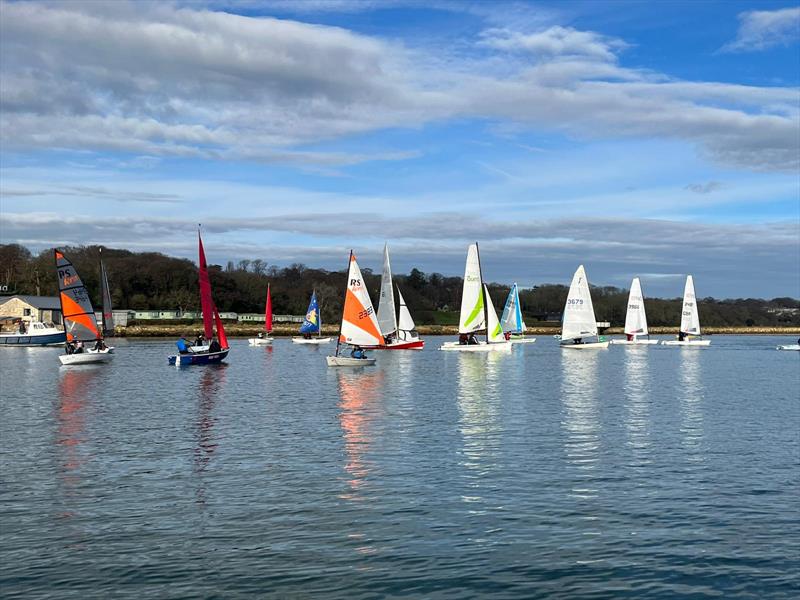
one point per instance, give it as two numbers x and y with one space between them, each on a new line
789 347
399 345
635 342
311 341
587 346
348 361
265 341
696 343
86 358
479 347
202 358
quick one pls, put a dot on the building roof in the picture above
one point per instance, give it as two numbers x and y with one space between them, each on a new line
40 302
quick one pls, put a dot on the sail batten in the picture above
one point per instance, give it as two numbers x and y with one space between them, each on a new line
690 319
80 323
386 311
579 320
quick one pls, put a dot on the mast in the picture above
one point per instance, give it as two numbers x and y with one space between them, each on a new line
483 291
347 274
105 299
319 313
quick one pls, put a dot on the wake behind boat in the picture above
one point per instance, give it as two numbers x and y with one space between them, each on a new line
80 324
636 333
579 321
217 349
690 320
312 323
264 338
789 346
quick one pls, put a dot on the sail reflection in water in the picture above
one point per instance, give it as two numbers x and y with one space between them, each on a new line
361 402
478 403
212 382
691 396
637 402
580 421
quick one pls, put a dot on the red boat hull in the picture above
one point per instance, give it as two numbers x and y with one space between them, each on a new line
415 345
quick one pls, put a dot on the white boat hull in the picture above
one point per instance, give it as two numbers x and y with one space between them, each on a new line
696 343
584 346
348 361
312 341
635 342
479 347
789 347
86 358
266 341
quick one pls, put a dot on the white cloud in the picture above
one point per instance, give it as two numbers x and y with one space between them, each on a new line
556 41
763 29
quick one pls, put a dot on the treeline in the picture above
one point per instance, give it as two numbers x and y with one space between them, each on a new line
150 280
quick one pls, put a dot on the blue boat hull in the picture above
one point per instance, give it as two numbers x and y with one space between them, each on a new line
33 340
201 358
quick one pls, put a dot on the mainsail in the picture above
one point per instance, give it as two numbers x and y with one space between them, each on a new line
311 323
494 332
268 312
206 303
690 320
105 293
472 312
578 320
511 321
386 311
80 323
635 318
359 323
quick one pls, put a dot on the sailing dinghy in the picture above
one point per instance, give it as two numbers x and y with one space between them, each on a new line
217 348
80 323
690 320
400 335
359 326
635 319
477 312
512 322
789 346
579 321
264 339
312 324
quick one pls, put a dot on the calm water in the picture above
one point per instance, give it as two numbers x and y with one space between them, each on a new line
629 472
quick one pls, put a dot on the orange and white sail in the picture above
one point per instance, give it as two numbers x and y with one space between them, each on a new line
359 322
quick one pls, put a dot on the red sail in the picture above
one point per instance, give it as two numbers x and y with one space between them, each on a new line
268 312
221 337
206 303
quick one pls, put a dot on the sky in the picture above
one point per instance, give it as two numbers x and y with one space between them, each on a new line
650 139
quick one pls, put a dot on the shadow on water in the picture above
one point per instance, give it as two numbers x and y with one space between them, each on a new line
210 387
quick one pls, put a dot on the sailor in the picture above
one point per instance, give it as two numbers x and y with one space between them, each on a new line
629 336
577 341
681 336
78 347
199 340
214 346
261 335
183 346
70 347
358 352
99 345
22 328
462 339
473 340
306 336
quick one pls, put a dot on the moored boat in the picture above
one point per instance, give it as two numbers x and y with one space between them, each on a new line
30 333
690 320
579 320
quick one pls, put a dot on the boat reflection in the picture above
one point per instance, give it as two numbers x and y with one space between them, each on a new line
637 401
690 396
212 382
581 419
360 403
478 405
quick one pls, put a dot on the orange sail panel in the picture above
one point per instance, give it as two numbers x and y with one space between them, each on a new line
76 307
359 322
206 303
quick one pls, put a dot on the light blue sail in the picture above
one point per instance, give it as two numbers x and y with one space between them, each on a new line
312 322
511 321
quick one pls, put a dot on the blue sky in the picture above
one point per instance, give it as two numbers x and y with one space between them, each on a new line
636 138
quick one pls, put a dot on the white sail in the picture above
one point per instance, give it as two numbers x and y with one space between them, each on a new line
494 333
406 322
690 320
472 314
386 312
578 318
359 323
635 318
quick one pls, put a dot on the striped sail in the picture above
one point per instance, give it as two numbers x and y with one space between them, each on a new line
386 312
80 323
578 320
472 314
690 320
635 317
359 322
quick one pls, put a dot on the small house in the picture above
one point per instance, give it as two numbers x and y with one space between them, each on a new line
46 309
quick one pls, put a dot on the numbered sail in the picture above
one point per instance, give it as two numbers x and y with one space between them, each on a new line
311 323
494 331
472 313
268 312
511 321
359 322
578 320
406 322
386 311
80 323
690 320
105 293
635 317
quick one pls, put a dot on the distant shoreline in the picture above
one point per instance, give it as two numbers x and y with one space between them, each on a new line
237 330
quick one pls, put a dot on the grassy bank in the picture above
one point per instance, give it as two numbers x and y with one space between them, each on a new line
243 330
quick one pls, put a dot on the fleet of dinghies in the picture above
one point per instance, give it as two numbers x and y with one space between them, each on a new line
362 329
